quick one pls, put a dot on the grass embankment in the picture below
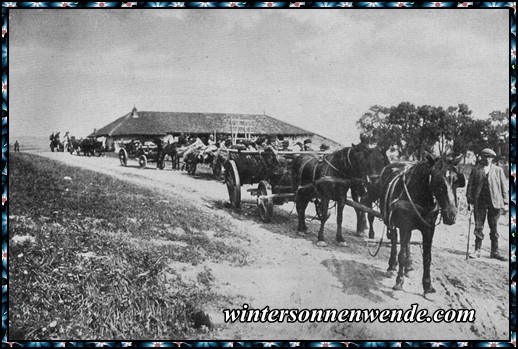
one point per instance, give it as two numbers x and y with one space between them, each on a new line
92 257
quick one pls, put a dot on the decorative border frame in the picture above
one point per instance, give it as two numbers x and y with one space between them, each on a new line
512 185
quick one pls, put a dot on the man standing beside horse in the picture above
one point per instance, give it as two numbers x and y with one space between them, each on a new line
488 194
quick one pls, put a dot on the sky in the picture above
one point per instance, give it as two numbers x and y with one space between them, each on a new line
319 69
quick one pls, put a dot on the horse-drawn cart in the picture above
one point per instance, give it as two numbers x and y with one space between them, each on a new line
144 153
269 169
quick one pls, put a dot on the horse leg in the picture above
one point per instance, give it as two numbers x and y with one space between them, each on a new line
302 204
393 251
339 218
427 260
371 225
409 263
324 206
402 257
361 223
366 201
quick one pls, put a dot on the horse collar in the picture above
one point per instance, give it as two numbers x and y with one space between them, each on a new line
416 210
334 168
349 163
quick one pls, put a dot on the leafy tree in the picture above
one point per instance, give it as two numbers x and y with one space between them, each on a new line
432 123
460 120
415 130
498 135
405 125
374 125
473 135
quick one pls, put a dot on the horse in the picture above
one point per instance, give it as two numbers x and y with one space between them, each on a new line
75 145
191 160
329 178
170 149
66 142
197 156
55 143
411 197
90 146
221 157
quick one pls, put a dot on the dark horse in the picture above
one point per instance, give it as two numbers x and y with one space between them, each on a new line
330 178
55 143
411 197
91 147
170 149
75 145
198 156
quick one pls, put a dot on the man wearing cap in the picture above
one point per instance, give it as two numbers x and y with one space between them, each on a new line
307 145
487 193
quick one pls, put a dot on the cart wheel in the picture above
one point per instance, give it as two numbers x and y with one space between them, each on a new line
233 184
142 161
123 157
265 201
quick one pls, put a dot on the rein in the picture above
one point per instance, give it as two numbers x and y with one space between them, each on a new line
324 159
416 208
414 205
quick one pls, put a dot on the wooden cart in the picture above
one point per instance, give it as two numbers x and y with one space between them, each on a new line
273 178
144 153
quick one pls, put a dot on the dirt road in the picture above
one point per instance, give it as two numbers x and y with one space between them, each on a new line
288 271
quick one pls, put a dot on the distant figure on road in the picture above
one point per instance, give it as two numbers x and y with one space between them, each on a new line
16 147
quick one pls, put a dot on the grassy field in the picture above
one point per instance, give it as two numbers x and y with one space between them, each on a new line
91 257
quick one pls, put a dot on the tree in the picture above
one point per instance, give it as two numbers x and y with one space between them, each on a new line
498 135
374 125
460 133
473 135
405 125
432 127
415 130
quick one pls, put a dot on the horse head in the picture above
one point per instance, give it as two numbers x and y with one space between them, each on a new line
444 179
368 162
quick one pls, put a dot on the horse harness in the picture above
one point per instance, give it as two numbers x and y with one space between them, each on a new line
323 159
389 204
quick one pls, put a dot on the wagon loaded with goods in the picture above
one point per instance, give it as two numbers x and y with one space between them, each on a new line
269 169
144 153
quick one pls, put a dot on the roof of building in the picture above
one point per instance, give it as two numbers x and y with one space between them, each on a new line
151 123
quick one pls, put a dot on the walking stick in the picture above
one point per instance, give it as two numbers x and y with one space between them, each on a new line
469 231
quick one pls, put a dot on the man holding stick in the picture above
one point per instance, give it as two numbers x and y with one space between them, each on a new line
488 194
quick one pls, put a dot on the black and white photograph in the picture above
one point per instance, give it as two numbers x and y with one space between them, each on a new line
258 174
